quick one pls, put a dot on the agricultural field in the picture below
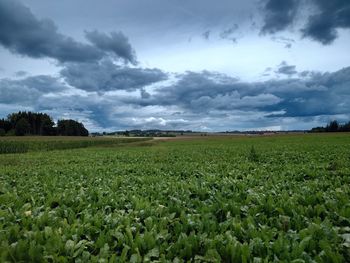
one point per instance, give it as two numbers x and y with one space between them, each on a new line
215 199
48 143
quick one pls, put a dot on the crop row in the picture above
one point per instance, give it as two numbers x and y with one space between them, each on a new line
22 146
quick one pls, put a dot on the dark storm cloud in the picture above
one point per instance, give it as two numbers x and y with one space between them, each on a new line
331 15
204 92
194 85
279 15
320 28
106 76
286 69
23 33
84 66
320 94
322 23
116 43
207 91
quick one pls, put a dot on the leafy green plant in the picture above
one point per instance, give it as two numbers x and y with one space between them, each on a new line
253 156
196 200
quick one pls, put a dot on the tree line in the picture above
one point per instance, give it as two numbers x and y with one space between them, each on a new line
30 123
333 126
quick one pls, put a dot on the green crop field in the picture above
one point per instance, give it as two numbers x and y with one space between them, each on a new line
213 199
49 143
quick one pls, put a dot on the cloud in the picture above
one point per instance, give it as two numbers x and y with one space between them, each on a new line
206 34
12 93
279 15
21 73
320 94
287 42
22 33
229 33
158 123
233 101
116 43
324 18
207 91
195 100
144 94
88 67
28 90
193 85
320 29
105 76
331 16
43 83
286 69
84 66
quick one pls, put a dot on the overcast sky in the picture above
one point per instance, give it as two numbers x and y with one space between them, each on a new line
177 64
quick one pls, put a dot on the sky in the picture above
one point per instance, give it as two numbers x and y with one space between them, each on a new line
177 64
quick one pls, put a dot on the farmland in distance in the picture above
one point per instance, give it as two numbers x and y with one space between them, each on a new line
215 199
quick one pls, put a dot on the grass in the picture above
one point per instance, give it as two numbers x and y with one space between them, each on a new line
221 199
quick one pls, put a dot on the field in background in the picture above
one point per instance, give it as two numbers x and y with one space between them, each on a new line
210 199
48 143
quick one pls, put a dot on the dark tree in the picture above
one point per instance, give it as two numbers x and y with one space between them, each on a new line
31 123
22 127
318 129
345 127
71 128
333 126
46 126
40 123
5 125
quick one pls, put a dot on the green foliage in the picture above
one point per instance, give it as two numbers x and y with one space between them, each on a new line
22 127
5 125
253 155
35 123
14 145
196 200
30 123
333 126
71 128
